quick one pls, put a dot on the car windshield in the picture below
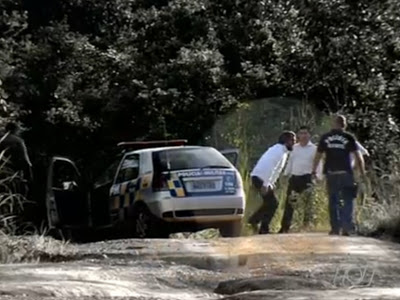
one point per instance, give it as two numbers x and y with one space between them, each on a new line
189 158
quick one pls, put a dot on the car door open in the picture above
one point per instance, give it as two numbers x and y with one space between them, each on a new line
66 200
232 155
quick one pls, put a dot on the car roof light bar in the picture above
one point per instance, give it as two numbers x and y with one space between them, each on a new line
151 144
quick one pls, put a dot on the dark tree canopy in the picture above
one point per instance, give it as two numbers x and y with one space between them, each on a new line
83 75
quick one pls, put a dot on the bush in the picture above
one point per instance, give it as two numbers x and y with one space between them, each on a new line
379 213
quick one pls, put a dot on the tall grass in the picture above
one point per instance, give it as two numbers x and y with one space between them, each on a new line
253 128
250 131
11 200
302 114
20 241
379 211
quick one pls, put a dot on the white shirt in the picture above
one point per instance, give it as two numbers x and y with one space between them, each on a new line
362 150
270 164
301 160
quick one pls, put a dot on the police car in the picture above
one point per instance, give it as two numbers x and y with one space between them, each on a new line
156 188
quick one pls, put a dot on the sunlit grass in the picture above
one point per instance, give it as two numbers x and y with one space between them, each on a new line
241 137
380 210
254 127
320 205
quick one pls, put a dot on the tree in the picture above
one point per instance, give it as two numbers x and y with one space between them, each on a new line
94 73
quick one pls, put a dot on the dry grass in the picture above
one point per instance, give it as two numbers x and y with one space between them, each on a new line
207 234
33 248
320 205
380 212
31 244
303 114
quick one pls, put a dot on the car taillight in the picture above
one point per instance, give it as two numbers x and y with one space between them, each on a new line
239 182
160 182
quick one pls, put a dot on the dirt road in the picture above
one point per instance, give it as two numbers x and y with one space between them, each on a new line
292 266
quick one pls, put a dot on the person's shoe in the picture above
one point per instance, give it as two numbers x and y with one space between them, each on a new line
264 231
282 230
333 232
347 233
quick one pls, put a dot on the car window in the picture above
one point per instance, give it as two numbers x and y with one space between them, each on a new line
146 165
63 172
129 168
189 158
108 175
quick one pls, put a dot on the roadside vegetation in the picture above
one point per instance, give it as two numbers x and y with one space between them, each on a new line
377 210
97 72
33 248
21 241
81 76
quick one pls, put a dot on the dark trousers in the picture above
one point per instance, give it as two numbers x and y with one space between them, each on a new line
297 185
341 186
268 208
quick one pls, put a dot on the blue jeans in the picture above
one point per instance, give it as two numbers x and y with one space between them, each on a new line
341 186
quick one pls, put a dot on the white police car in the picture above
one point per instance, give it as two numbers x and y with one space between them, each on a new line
156 188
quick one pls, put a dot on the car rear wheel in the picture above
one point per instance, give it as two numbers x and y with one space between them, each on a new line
146 225
231 229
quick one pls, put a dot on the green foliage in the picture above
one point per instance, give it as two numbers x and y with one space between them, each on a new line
84 75
96 72
254 127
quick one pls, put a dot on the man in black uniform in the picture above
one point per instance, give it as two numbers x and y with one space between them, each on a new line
15 152
338 145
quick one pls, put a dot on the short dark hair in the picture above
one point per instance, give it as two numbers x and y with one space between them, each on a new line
305 127
341 121
285 136
12 127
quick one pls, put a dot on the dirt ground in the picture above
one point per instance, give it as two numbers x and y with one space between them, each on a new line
291 266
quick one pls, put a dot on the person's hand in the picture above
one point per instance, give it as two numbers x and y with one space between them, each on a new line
362 187
363 184
363 178
314 177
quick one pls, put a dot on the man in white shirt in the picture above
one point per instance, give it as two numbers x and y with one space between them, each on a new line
298 170
364 152
264 176
361 186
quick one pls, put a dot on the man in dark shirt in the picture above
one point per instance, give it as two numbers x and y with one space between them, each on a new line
338 145
15 152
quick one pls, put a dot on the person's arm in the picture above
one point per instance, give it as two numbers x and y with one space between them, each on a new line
361 148
279 168
360 162
289 166
274 159
354 148
25 154
316 162
27 165
321 148
319 171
